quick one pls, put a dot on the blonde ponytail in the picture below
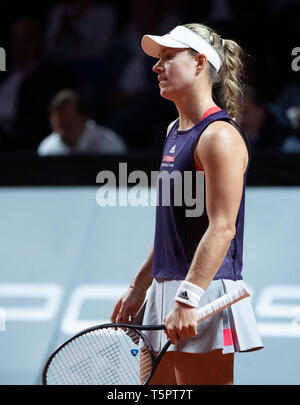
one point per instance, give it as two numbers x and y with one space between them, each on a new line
232 70
228 82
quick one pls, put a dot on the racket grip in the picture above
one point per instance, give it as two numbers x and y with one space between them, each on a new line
221 303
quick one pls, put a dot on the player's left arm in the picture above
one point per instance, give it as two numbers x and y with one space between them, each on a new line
223 155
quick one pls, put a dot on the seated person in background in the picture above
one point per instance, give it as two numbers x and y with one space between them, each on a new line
27 87
132 93
292 143
289 106
74 132
261 122
79 35
80 29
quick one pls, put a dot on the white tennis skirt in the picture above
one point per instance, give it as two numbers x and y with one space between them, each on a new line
232 330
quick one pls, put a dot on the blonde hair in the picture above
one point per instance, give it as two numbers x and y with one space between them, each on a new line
227 84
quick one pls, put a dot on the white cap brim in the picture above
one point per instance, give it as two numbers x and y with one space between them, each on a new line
152 44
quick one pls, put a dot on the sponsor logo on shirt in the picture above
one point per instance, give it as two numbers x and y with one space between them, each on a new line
167 158
172 150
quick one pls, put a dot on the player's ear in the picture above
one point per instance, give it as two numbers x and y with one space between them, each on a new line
201 62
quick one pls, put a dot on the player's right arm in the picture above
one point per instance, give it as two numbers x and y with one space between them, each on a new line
132 300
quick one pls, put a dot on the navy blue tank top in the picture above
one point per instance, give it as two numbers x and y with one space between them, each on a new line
181 217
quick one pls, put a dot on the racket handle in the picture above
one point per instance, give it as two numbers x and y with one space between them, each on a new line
221 303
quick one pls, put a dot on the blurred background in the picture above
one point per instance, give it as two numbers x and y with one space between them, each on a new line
78 96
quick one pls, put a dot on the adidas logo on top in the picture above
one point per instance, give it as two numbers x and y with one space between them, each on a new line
183 295
172 150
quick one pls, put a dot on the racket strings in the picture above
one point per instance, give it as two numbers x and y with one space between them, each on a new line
102 357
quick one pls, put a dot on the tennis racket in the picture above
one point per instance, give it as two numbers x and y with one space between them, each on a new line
117 354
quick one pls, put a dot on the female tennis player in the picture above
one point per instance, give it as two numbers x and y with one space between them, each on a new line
197 258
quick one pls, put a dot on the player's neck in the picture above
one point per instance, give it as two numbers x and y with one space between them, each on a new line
191 111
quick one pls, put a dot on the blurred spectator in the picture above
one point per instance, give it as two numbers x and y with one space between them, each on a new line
284 19
135 89
74 132
276 6
220 10
26 88
289 107
261 122
79 35
80 30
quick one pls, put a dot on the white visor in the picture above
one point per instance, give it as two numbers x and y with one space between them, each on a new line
181 37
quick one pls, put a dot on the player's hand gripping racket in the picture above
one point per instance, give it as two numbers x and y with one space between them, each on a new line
117 354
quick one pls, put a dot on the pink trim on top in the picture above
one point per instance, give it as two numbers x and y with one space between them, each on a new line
227 337
210 111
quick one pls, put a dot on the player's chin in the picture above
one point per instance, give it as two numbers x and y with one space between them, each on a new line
170 92
167 94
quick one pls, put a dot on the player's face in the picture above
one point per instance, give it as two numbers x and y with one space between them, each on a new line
176 70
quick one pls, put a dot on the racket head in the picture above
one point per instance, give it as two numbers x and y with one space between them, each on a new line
109 354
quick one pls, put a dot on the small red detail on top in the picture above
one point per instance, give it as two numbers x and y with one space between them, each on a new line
227 337
168 158
210 111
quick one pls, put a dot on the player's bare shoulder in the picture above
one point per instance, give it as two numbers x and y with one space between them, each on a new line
218 130
223 135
